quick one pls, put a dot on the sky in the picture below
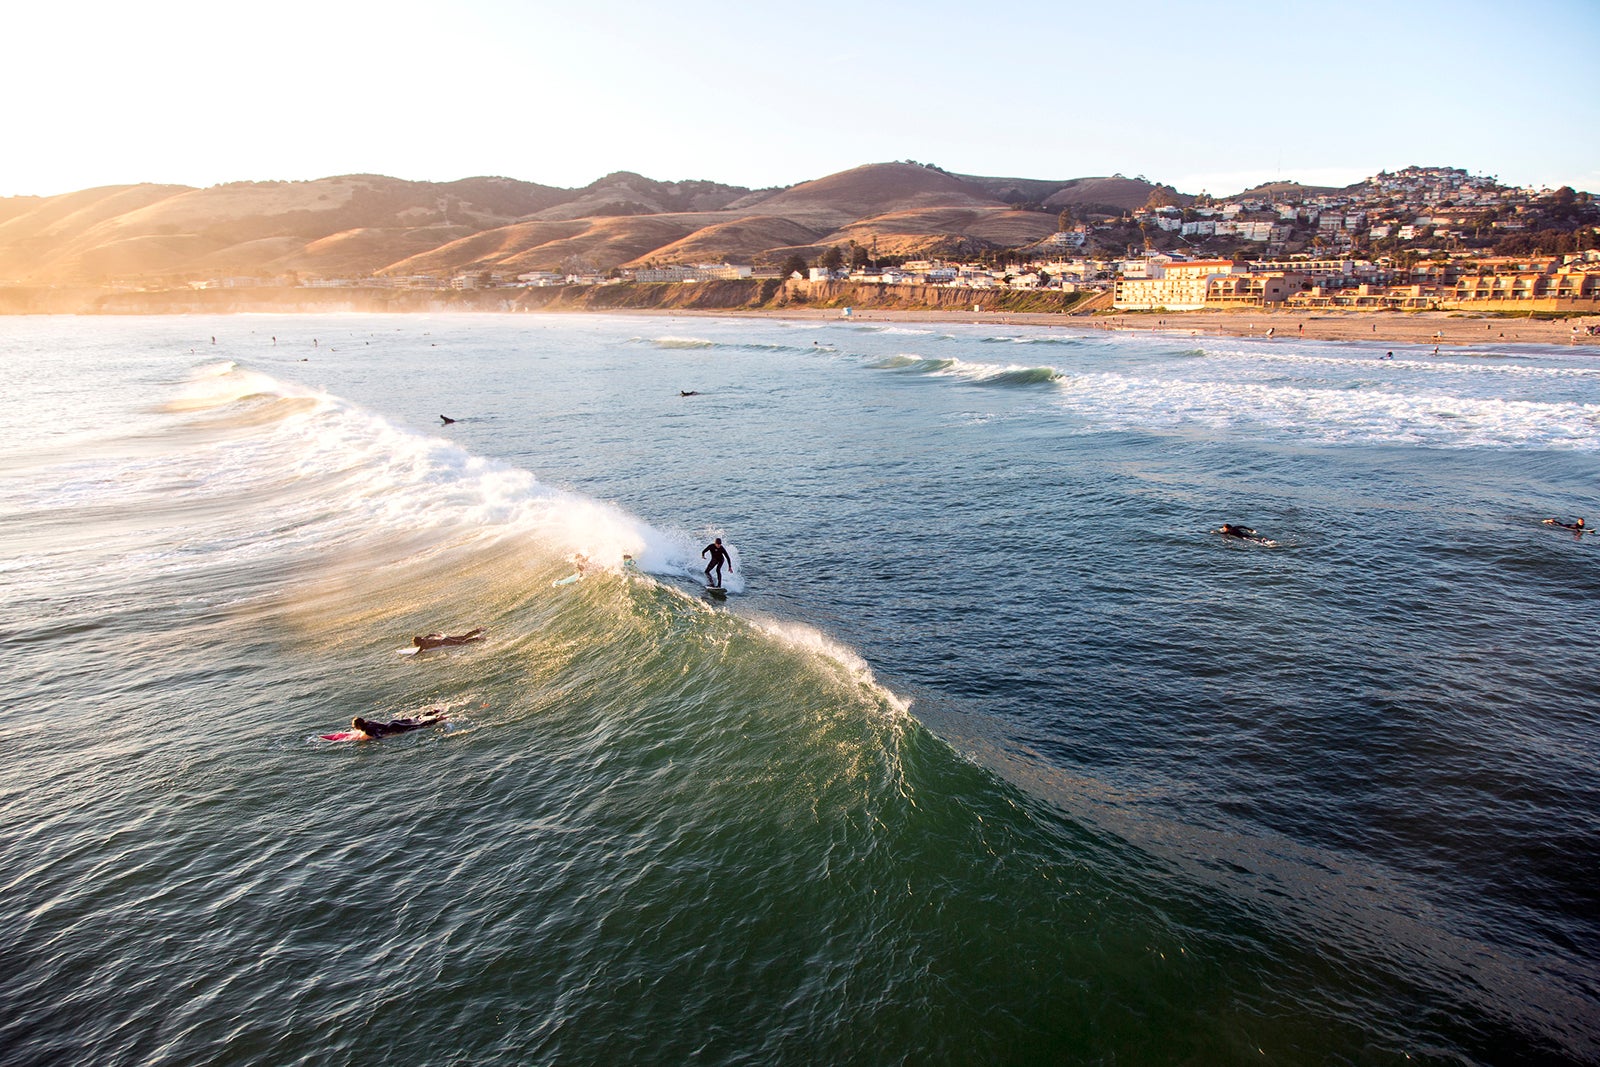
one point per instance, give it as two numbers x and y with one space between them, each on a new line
1199 96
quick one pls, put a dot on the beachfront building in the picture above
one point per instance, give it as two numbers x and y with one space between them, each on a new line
1255 288
699 272
1576 282
1173 286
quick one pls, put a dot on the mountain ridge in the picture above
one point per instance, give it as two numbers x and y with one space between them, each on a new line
361 225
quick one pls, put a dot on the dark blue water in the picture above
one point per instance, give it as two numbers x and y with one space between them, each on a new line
997 752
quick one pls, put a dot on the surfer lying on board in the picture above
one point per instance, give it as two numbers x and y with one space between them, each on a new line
445 640
395 726
1244 533
1578 525
719 556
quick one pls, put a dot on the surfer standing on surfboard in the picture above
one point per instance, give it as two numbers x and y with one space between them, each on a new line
719 556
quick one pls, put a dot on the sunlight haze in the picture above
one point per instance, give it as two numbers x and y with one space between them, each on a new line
201 94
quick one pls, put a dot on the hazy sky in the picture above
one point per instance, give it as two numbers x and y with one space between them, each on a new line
1201 96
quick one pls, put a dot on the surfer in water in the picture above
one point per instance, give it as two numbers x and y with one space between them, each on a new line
395 726
719 556
445 640
1576 526
1243 533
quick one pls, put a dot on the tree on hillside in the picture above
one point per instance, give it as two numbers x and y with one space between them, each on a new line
1064 220
832 258
1161 196
795 264
859 257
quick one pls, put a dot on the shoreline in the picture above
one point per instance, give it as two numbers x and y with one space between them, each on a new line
1446 329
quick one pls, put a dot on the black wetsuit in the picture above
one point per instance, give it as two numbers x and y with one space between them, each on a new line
442 640
395 726
719 556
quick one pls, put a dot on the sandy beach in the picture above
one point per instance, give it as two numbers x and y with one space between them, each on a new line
1443 328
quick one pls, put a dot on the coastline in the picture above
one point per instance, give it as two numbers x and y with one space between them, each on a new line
736 300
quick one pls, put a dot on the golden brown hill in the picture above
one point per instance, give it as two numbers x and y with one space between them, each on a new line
489 250
358 225
352 252
875 189
626 193
1292 190
1113 195
741 240
37 244
946 230
12 206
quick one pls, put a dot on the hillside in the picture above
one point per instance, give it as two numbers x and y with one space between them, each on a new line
1284 190
362 225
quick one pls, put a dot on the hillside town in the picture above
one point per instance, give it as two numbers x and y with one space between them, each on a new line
1419 238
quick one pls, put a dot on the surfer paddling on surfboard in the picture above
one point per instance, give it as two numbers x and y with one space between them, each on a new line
428 641
719 556
1578 525
1243 533
365 729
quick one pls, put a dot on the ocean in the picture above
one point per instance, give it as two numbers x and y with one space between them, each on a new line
994 753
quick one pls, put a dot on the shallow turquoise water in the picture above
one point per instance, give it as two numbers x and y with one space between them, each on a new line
995 754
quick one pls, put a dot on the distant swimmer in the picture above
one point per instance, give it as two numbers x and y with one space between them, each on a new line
1388 355
1244 533
687 392
719 556
370 729
446 419
428 641
1577 525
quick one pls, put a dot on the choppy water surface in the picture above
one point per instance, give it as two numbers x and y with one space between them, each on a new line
996 753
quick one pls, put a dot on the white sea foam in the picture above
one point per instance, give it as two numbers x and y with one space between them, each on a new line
677 342
1445 363
968 370
371 474
814 642
1354 413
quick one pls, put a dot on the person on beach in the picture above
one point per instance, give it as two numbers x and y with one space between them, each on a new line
719 556
395 726
446 640
1577 526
